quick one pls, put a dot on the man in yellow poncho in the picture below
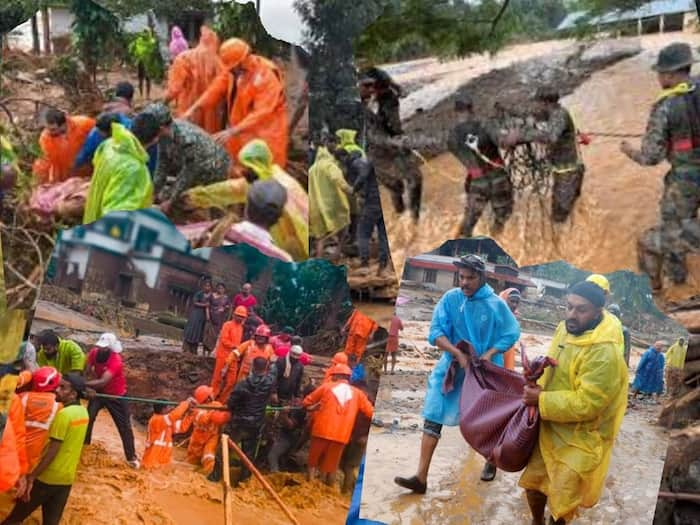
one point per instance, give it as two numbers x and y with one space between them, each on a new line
675 361
581 402
121 180
329 206
291 233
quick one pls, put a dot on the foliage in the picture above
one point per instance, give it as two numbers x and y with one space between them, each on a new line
143 49
97 34
242 21
170 10
16 12
307 296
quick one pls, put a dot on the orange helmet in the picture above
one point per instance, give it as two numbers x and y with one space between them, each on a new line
233 52
341 370
25 377
202 393
263 331
340 357
241 311
46 379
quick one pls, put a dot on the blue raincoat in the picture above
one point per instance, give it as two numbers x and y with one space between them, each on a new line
650 373
484 320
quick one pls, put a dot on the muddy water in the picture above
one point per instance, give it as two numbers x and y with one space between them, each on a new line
455 494
619 200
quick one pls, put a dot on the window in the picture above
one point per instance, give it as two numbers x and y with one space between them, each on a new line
429 276
145 239
117 228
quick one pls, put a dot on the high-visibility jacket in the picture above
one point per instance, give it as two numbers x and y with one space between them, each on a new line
249 351
13 451
40 408
159 438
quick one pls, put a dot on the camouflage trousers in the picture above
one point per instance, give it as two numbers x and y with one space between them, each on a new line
662 249
399 171
495 187
565 192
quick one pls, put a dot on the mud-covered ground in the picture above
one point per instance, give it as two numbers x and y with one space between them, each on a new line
455 493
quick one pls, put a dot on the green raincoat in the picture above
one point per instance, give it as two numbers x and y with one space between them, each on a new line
329 207
121 181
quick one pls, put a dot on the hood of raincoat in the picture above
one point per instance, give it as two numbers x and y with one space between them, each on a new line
256 155
125 142
606 332
178 44
347 141
209 39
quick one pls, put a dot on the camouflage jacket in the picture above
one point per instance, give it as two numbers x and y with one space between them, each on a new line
673 133
488 135
192 156
560 135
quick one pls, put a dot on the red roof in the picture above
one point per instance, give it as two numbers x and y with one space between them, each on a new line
449 267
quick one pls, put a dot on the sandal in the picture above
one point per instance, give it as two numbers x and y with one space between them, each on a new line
413 484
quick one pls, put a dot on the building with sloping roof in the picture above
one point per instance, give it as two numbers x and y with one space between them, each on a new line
658 16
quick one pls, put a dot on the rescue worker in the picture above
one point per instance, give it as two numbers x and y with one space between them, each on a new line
329 205
247 405
476 145
289 373
230 337
105 370
60 142
359 329
338 406
360 173
673 134
190 74
512 298
253 89
14 463
206 427
291 232
338 358
49 484
387 144
581 403
62 354
121 181
675 362
561 136
614 309
40 409
185 152
470 313
243 356
159 434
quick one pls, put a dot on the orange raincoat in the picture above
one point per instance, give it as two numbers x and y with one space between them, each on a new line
59 153
249 352
205 435
13 451
229 338
360 328
340 357
190 74
159 438
39 410
258 109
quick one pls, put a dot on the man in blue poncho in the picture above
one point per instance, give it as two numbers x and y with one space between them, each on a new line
473 313
649 379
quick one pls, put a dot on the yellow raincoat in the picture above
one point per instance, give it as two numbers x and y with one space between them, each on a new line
675 357
347 140
291 233
582 404
329 207
121 180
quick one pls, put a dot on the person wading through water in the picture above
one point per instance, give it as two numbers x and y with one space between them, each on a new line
473 313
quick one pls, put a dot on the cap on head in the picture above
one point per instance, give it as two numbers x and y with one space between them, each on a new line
267 195
600 280
202 393
161 112
233 51
471 262
109 340
674 57
241 311
262 331
297 350
340 369
340 357
589 291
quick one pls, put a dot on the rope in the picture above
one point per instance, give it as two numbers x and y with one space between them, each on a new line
175 403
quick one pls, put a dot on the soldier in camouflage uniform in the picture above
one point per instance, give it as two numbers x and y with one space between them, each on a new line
561 136
186 152
396 166
475 143
673 133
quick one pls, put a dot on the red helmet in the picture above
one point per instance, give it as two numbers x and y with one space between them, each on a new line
46 379
202 393
263 331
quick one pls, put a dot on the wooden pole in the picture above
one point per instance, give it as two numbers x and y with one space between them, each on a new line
249 465
228 504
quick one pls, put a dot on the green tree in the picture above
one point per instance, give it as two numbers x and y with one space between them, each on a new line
97 34
14 13
242 21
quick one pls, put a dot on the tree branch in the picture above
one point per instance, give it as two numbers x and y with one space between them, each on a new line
498 17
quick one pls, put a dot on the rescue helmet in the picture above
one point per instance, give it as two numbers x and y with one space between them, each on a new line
340 357
46 379
241 311
262 331
202 393
233 51
340 369
600 280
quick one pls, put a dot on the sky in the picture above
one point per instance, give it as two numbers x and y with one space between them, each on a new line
281 20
